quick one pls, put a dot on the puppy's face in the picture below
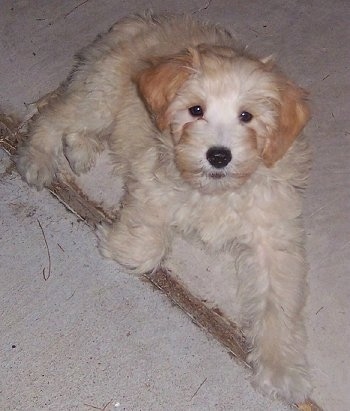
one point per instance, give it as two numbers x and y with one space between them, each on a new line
226 114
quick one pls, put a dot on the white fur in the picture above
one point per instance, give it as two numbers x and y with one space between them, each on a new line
249 207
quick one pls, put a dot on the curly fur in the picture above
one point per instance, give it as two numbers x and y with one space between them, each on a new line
133 88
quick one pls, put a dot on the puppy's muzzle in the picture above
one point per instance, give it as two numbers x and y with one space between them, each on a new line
219 157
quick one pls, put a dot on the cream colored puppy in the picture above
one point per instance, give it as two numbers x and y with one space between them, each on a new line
205 138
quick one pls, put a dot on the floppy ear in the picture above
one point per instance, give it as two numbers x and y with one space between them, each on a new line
294 113
159 83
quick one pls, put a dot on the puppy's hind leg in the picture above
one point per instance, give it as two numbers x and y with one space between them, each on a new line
37 157
69 126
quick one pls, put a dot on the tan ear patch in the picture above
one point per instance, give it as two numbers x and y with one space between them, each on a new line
158 84
293 116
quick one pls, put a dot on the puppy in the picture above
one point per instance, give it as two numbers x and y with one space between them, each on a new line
205 137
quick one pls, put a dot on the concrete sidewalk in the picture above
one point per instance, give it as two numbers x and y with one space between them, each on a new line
91 335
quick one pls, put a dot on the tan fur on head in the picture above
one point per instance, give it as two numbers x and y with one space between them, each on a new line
293 116
159 83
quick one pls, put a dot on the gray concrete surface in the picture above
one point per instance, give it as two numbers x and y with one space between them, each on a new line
90 334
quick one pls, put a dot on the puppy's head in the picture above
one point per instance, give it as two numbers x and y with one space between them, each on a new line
226 113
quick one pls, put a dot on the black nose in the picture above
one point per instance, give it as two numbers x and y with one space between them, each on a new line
219 157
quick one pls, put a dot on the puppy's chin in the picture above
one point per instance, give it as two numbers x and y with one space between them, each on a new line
214 182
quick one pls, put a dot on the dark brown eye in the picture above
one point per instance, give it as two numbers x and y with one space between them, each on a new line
196 111
245 117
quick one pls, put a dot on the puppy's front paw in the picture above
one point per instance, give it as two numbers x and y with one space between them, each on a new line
290 383
36 167
132 247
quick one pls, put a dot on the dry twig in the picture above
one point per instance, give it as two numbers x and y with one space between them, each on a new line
74 8
98 408
48 253
198 388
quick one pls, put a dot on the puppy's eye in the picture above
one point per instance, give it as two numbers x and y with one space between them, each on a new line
196 111
245 117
